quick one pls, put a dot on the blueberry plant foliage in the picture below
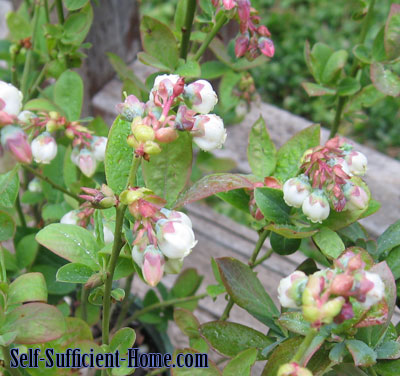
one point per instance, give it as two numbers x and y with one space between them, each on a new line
85 208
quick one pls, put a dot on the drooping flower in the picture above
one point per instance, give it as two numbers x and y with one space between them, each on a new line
153 265
99 145
357 163
85 160
14 139
44 148
209 132
296 190
131 108
70 218
201 96
290 289
316 206
10 99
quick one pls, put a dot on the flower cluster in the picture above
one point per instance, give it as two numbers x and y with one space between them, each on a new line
328 181
15 146
163 238
329 295
254 39
172 107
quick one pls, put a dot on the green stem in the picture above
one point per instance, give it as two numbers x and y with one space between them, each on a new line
187 29
165 303
51 182
46 7
29 54
60 11
132 173
373 371
125 303
261 239
252 263
14 77
7 361
37 82
84 298
210 36
20 212
353 72
262 259
304 346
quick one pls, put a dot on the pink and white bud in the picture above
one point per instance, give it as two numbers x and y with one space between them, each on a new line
26 116
10 99
185 119
241 45
99 145
175 239
131 108
229 4
169 81
44 148
290 289
376 293
209 132
316 206
86 161
34 186
176 216
153 265
357 163
296 190
14 139
201 96
357 198
166 135
70 218
266 46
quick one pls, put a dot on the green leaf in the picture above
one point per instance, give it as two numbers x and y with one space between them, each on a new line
122 340
35 323
348 86
282 245
392 33
75 4
347 369
261 151
189 69
246 290
19 26
241 364
389 239
281 355
367 97
337 353
187 283
393 260
168 172
74 273
119 155
157 37
330 243
213 69
385 80
68 94
230 338
388 350
49 272
362 354
227 99
152 61
77 25
290 231
289 155
361 52
388 367
74 243
317 59
213 184
294 321
29 287
187 322
41 104
315 90
9 187
202 370
335 63
273 207
7 226
26 251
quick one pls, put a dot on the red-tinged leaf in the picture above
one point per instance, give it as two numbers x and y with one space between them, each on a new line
392 32
315 90
292 232
315 345
385 80
362 354
35 323
212 184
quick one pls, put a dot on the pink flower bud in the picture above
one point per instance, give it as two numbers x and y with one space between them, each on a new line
201 96
342 284
131 108
185 119
6 118
168 80
263 31
175 239
266 46
166 135
86 161
290 289
44 148
296 190
153 265
357 198
179 87
316 206
241 46
212 133
229 4
10 99
70 218
99 145
15 140
357 163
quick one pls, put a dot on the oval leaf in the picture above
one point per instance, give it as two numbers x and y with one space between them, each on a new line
74 273
241 364
29 287
273 207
